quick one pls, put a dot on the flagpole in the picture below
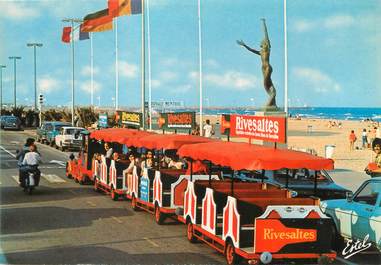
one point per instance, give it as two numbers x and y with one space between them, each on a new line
149 69
116 66
143 68
91 69
285 58
72 75
200 63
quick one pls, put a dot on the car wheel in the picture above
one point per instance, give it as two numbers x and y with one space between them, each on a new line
159 216
230 255
190 233
52 143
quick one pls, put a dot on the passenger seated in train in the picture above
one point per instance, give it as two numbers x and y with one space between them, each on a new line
175 163
148 162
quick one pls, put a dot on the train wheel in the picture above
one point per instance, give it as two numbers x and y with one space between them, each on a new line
190 233
230 255
114 195
159 216
134 204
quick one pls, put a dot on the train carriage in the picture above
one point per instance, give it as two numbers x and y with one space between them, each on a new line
252 220
160 190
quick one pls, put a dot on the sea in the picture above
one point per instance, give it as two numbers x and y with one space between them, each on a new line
331 113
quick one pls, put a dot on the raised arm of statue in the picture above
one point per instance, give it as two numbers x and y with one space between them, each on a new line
241 43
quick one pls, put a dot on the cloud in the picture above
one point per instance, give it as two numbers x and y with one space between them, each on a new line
167 76
128 70
86 70
18 10
232 79
211 63
181 89
315 79
48 84
170 62
86 86
329 23
155 83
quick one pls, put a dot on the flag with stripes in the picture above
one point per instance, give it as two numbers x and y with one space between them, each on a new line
119 8
97 22
77 34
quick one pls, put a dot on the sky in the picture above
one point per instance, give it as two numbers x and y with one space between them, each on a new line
334 56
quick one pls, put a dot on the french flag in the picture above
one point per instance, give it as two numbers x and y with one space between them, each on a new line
77 34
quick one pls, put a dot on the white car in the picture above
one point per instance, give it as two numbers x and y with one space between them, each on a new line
69 138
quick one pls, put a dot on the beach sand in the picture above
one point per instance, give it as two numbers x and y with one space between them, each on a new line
321 135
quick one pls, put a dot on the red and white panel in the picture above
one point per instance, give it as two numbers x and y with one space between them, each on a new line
103 170
231 221
190 202
112 174
95 169
134 183
293 211
209 208
158 189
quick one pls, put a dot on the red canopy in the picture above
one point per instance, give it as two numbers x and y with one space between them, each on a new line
116 134
240 156
165 141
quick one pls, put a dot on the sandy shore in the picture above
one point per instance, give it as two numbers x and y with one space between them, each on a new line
321 135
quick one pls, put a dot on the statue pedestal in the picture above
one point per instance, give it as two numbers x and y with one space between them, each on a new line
272 113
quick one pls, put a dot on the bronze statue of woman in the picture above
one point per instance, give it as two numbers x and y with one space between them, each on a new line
266 67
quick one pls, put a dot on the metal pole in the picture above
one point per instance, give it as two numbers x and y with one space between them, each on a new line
200 62
149 69
72 84
285 58
1 88
14 81
116 66
35 78
91 70
143 68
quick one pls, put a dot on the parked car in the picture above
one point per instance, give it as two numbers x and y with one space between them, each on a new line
69 138
359 215
48 131
302 181
10 123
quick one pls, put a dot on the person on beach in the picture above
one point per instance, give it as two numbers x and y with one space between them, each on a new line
364 137
208 129
352 140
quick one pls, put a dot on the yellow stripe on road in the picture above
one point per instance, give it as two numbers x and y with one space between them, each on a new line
150 241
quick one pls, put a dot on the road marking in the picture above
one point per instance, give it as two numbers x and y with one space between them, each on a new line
117 220
91 203
50 167
72 192
150 241
15 142
61 163
9 152
345 261
52 178
16 178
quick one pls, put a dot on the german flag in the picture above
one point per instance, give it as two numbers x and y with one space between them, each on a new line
97 22
119 8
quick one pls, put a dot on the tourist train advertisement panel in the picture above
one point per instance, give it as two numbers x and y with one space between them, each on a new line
266 128
177 120
130 119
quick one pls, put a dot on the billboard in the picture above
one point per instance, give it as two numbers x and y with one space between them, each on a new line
130 119
177 120
266 128
102 122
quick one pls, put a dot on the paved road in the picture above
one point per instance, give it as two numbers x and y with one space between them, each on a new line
63 222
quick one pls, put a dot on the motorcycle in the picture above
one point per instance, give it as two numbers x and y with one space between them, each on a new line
31 180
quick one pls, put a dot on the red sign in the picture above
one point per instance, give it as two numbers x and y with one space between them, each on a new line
271 235
267 128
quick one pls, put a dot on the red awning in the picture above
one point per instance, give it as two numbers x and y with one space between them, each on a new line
240 156
116 134
165 141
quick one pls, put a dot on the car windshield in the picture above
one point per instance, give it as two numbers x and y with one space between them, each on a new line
74 131
11 119
301 175
59 126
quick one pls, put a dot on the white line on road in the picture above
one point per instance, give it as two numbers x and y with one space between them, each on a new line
61 163
150 241
9 152
16 178
117 220
52 178
50 167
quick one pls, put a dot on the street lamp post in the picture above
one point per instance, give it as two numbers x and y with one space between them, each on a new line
72 21
14 58
35 45
1 88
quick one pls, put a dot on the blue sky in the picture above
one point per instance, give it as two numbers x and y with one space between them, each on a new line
334 52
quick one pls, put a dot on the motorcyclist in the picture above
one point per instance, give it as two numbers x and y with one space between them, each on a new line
20 157
31 161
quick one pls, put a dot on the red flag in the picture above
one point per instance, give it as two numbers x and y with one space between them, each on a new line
66 34
124 7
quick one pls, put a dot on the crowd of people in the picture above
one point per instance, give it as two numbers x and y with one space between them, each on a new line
367 138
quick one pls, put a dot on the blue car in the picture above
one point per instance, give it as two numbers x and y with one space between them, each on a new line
358 217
